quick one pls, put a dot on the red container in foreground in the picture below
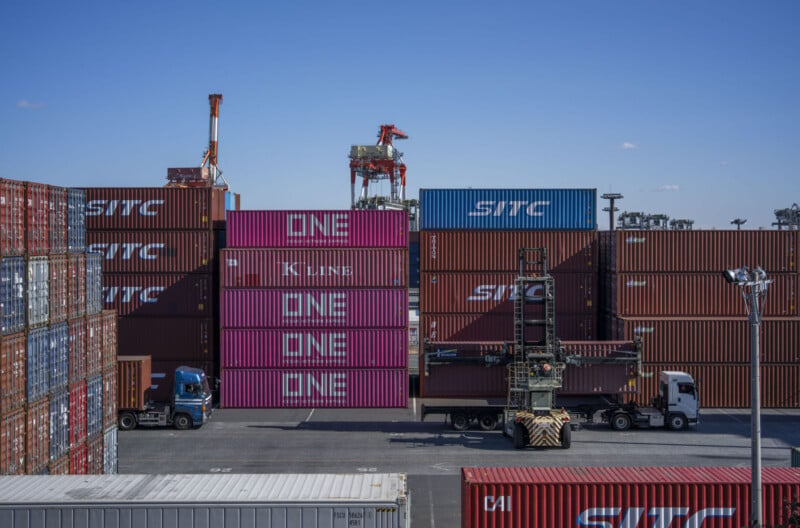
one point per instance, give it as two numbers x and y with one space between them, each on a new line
37 436
77 413
78 459
565 497
59 466
77 350
284 388
12 443
12 218
13 373
37 218
94 455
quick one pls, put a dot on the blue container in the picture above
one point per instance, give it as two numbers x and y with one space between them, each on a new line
13 308
38 357
94 405
413 268
59 423
110 457
76 220
59 357
94 283
508 209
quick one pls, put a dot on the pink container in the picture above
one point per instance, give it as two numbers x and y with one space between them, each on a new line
314 388
153 251
284 229
314 308
158 294
314 268
302 347
12 217
37 218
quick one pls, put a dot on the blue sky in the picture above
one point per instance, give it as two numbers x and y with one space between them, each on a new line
687 108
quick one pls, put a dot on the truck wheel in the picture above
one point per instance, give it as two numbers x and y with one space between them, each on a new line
182 421
460 421
488 422
127 421
677 422
519 436
620 422
566 436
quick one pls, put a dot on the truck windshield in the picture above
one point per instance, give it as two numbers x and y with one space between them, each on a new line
206 388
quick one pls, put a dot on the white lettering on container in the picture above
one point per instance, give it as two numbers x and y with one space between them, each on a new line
309 304
317 225
329 344
125 251
307 384
123 207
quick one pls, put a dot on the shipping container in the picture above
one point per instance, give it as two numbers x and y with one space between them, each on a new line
462 381
13 375
500 327
94 405
77 349
153 208
59 424
37 354
59 466
94 455
508 209
37 219
76 220
159 295
12 218
556 497
94 344
303 347
77 459
473 292
314 268
154 251
485 251
322 388
38 291
37 436
12 443
309 229
59 210
133 381
110 456
94 283
379 500
710 340
77 413
77 286
314 308
168 338
58 267
13 307
58 357
109 318
703 251
110 397
414 263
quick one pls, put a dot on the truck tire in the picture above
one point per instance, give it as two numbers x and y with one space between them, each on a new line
519 436
566 436
488 421
127 421
620 421
182 421
459 421
677 422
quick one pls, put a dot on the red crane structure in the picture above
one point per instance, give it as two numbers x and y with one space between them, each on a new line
379 162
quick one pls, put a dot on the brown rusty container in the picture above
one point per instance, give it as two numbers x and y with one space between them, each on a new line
13 373
77 350
37 219
59 466
161 294
109 359
94 455
12 443
153 208
133 381
58 210
500 327
168 338
463 381
153 251
703 251
76 285
567 251
94 344
12 218
37 436
58 268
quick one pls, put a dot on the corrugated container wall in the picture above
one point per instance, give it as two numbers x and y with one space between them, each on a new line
110 397
12 218
77 286
307 229
153 251
110 339
58 266
13 308
94 344
59 210
59 424
94 455
13 375
77 413
77 349
159 294
37 219
500 327
37 436
508 209
110 453
58 357
183 339
12 443
134 373
77 459
94 283
38 368
38 291
76 220
94 405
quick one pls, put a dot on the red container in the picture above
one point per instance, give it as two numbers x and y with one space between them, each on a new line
77 350
109 354
710 340
160 294
693 295
37 218
167 338
556 497
59 206
463 381
153 208
78 459
12 218
298 229
13 373
323 388
94 455
12 443
109 398
500 327
314 308
282 348
37 436
77 413
703 251
59 466
153 251
484 251
58 268
94 344
76 306
314 268
453 292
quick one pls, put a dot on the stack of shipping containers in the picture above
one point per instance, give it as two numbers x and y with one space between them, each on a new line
468 264
667 288
314 309
158 246
52 347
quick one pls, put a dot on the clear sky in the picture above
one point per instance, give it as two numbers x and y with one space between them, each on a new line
687 108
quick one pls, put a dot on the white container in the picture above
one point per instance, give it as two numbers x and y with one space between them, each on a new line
38 291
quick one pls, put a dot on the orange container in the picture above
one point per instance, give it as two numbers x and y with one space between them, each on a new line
133 381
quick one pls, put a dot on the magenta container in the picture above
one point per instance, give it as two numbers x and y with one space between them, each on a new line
303 347
281 229
314 308
314 268
273 388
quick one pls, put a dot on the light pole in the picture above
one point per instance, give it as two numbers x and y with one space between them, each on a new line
754 289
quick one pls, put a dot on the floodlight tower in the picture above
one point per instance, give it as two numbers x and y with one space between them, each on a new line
611 197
